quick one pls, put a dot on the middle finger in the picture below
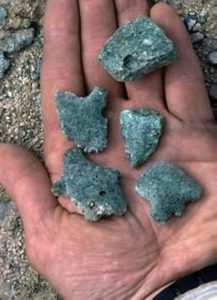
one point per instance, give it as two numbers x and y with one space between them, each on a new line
98 22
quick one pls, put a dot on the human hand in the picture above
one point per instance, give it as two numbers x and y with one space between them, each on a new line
119 257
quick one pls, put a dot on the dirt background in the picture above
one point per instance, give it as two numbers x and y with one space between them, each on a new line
20 123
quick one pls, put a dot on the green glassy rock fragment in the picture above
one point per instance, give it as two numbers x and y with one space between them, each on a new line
81 119
168 189
142 130
137 48
94 190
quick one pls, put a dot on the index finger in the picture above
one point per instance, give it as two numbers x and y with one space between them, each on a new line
61 70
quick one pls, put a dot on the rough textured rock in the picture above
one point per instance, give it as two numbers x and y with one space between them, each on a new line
81 119
168 189
197 37
93 189
3 15
4 64
137 48
213 92
15 41
142 130
212 58
190 21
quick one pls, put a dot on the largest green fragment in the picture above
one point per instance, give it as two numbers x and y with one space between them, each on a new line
139 47
93 189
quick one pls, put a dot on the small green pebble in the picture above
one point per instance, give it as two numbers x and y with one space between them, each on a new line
168 189
142 130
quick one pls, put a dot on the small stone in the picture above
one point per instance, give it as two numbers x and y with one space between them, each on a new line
192 13
197 37
190 21
81 119
3 15
37 100
137 48
213 91
94 190
5 207
212 58
214 11
142 130
4 64
4 34
3 95
168 189
17 40
197 27
35 75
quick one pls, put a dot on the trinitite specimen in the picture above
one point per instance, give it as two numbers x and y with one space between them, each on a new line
168 189
142 130
81 119
139 47
93 189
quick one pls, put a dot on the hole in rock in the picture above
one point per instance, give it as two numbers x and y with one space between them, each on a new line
129 61
102 193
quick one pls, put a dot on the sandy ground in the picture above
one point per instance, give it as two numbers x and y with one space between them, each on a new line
20 123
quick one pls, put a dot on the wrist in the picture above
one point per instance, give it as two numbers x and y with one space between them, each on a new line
186 284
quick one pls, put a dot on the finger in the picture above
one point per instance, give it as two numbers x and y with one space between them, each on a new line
98 22
186 95
61 69
26 181
148 90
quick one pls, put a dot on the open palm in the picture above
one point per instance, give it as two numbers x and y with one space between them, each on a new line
119 257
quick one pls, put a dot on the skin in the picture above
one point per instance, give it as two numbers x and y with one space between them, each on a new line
126 257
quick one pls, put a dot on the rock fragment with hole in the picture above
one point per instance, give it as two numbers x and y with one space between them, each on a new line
168 189
137 48
81 119
94 190
142 130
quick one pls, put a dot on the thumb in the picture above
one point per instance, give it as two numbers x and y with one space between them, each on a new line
27 183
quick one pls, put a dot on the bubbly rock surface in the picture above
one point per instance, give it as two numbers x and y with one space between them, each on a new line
81 119
168 189
94 190
142 130
137 48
